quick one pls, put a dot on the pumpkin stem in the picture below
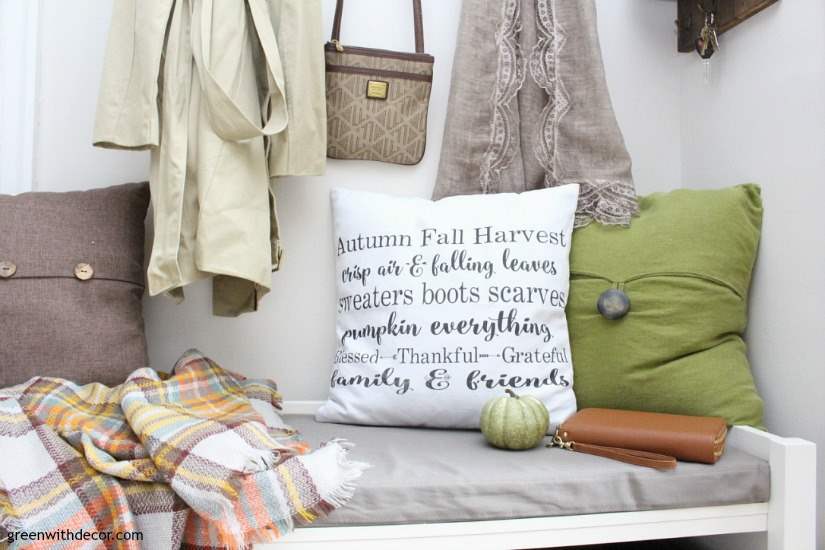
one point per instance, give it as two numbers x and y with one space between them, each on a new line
511 393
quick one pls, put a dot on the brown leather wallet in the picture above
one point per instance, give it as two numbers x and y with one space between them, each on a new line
648 439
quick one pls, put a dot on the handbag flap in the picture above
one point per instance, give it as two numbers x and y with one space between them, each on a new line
381 62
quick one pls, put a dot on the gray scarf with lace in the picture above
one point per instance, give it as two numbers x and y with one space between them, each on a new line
529 108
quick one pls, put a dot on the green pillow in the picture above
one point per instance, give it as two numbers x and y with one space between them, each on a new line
685 264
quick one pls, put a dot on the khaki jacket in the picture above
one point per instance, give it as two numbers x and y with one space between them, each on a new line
226 95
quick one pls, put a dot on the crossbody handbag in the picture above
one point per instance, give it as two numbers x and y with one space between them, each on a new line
377 100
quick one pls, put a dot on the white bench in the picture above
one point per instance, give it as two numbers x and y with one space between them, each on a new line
788 517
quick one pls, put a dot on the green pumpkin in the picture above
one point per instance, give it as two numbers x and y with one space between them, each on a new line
514 422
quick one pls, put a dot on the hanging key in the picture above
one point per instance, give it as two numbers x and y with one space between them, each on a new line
707 43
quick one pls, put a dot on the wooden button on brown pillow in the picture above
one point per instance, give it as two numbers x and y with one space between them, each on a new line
71 284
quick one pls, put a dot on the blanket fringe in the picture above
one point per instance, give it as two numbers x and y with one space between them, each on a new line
10 523
350 471
343 490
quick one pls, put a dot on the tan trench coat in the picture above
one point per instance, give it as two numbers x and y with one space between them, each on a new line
226 94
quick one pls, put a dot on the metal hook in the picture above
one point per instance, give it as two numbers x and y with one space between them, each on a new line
703 9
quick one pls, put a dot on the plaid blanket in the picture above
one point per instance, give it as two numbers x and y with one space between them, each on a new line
198 459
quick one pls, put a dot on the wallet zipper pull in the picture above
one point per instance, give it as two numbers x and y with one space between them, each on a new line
337 44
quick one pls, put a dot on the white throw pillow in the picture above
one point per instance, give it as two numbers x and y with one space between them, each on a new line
443 305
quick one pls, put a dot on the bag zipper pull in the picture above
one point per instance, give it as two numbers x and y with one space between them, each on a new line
337 45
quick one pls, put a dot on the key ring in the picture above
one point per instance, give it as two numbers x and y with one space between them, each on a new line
557 441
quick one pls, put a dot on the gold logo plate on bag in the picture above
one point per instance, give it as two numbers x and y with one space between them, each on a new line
377 89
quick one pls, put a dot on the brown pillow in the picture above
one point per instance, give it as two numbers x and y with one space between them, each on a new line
71 284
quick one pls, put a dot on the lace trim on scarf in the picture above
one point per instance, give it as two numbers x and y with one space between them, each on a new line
509 79
609 202
544 70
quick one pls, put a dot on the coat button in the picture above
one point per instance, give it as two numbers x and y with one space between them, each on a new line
84 272
613 304
7 269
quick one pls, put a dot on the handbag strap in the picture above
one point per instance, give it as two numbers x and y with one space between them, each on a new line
418 23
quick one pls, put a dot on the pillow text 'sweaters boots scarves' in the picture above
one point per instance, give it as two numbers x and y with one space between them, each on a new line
200 459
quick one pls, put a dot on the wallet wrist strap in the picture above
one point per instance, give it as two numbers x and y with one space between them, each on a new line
639 458
418 24
630 456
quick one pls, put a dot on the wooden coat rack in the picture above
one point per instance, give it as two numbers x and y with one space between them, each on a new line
729 14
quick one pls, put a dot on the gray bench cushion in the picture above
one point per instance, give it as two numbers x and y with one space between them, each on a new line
422 475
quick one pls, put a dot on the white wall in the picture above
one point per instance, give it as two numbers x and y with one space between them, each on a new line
282 340
18 81
762 119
